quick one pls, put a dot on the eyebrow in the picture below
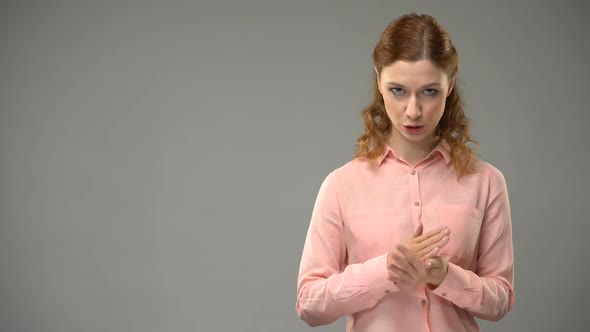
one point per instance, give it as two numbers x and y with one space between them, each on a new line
425 86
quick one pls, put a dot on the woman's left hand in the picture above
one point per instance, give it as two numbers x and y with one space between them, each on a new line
437 269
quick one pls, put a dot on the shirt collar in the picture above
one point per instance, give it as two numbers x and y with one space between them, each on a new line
442 147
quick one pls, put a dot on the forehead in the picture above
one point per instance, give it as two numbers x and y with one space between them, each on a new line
418 72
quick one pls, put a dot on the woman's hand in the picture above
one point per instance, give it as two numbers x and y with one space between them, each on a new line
437 269
406 262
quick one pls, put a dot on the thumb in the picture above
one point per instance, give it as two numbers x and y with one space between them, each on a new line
432 263
419 230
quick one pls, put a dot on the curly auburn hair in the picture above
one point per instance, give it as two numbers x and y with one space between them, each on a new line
414 37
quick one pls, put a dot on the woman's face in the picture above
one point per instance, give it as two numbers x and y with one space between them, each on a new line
414 94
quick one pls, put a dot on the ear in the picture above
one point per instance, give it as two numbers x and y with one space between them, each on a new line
451 86
378 78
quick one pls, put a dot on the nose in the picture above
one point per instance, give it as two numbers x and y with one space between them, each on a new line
413 108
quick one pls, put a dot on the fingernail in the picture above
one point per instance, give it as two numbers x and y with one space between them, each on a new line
447 231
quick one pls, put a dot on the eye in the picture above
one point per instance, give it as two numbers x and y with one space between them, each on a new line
397 91
430 92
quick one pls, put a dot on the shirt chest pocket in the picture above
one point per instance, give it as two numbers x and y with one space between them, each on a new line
370 233
465 223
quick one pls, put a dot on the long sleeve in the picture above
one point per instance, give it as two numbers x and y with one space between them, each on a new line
327 287
488 293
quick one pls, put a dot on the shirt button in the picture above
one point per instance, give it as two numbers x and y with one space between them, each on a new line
417 203
423 302
444 294
413 172
387 291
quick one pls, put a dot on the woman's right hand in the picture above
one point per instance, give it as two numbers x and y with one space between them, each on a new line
406 261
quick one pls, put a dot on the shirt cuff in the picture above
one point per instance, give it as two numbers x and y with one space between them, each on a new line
454 284
377 277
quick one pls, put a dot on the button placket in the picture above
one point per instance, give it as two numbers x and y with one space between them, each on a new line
414 182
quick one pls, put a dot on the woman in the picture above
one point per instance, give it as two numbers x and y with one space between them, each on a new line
415 233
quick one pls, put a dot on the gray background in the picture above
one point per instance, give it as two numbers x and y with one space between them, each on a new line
159 161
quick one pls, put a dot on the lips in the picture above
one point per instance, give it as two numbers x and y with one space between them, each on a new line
414 130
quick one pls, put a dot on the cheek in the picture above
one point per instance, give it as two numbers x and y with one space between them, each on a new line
394 108
435 108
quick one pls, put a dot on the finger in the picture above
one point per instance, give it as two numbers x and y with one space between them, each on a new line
433 263
435 240
424 249
439 262
430 263
416 267
431 244
393 277
430 233
401 274
419 230
422 252
435 232
400 260
425 254
443 242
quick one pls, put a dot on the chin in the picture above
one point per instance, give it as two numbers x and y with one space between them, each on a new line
415 139
419 138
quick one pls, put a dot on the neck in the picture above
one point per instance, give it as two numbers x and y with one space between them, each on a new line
413 152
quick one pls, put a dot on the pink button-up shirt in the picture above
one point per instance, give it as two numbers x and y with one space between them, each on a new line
361 212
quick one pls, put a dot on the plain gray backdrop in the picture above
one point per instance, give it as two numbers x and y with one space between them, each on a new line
159 161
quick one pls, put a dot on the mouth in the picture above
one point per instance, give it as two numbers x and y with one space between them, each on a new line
414 129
